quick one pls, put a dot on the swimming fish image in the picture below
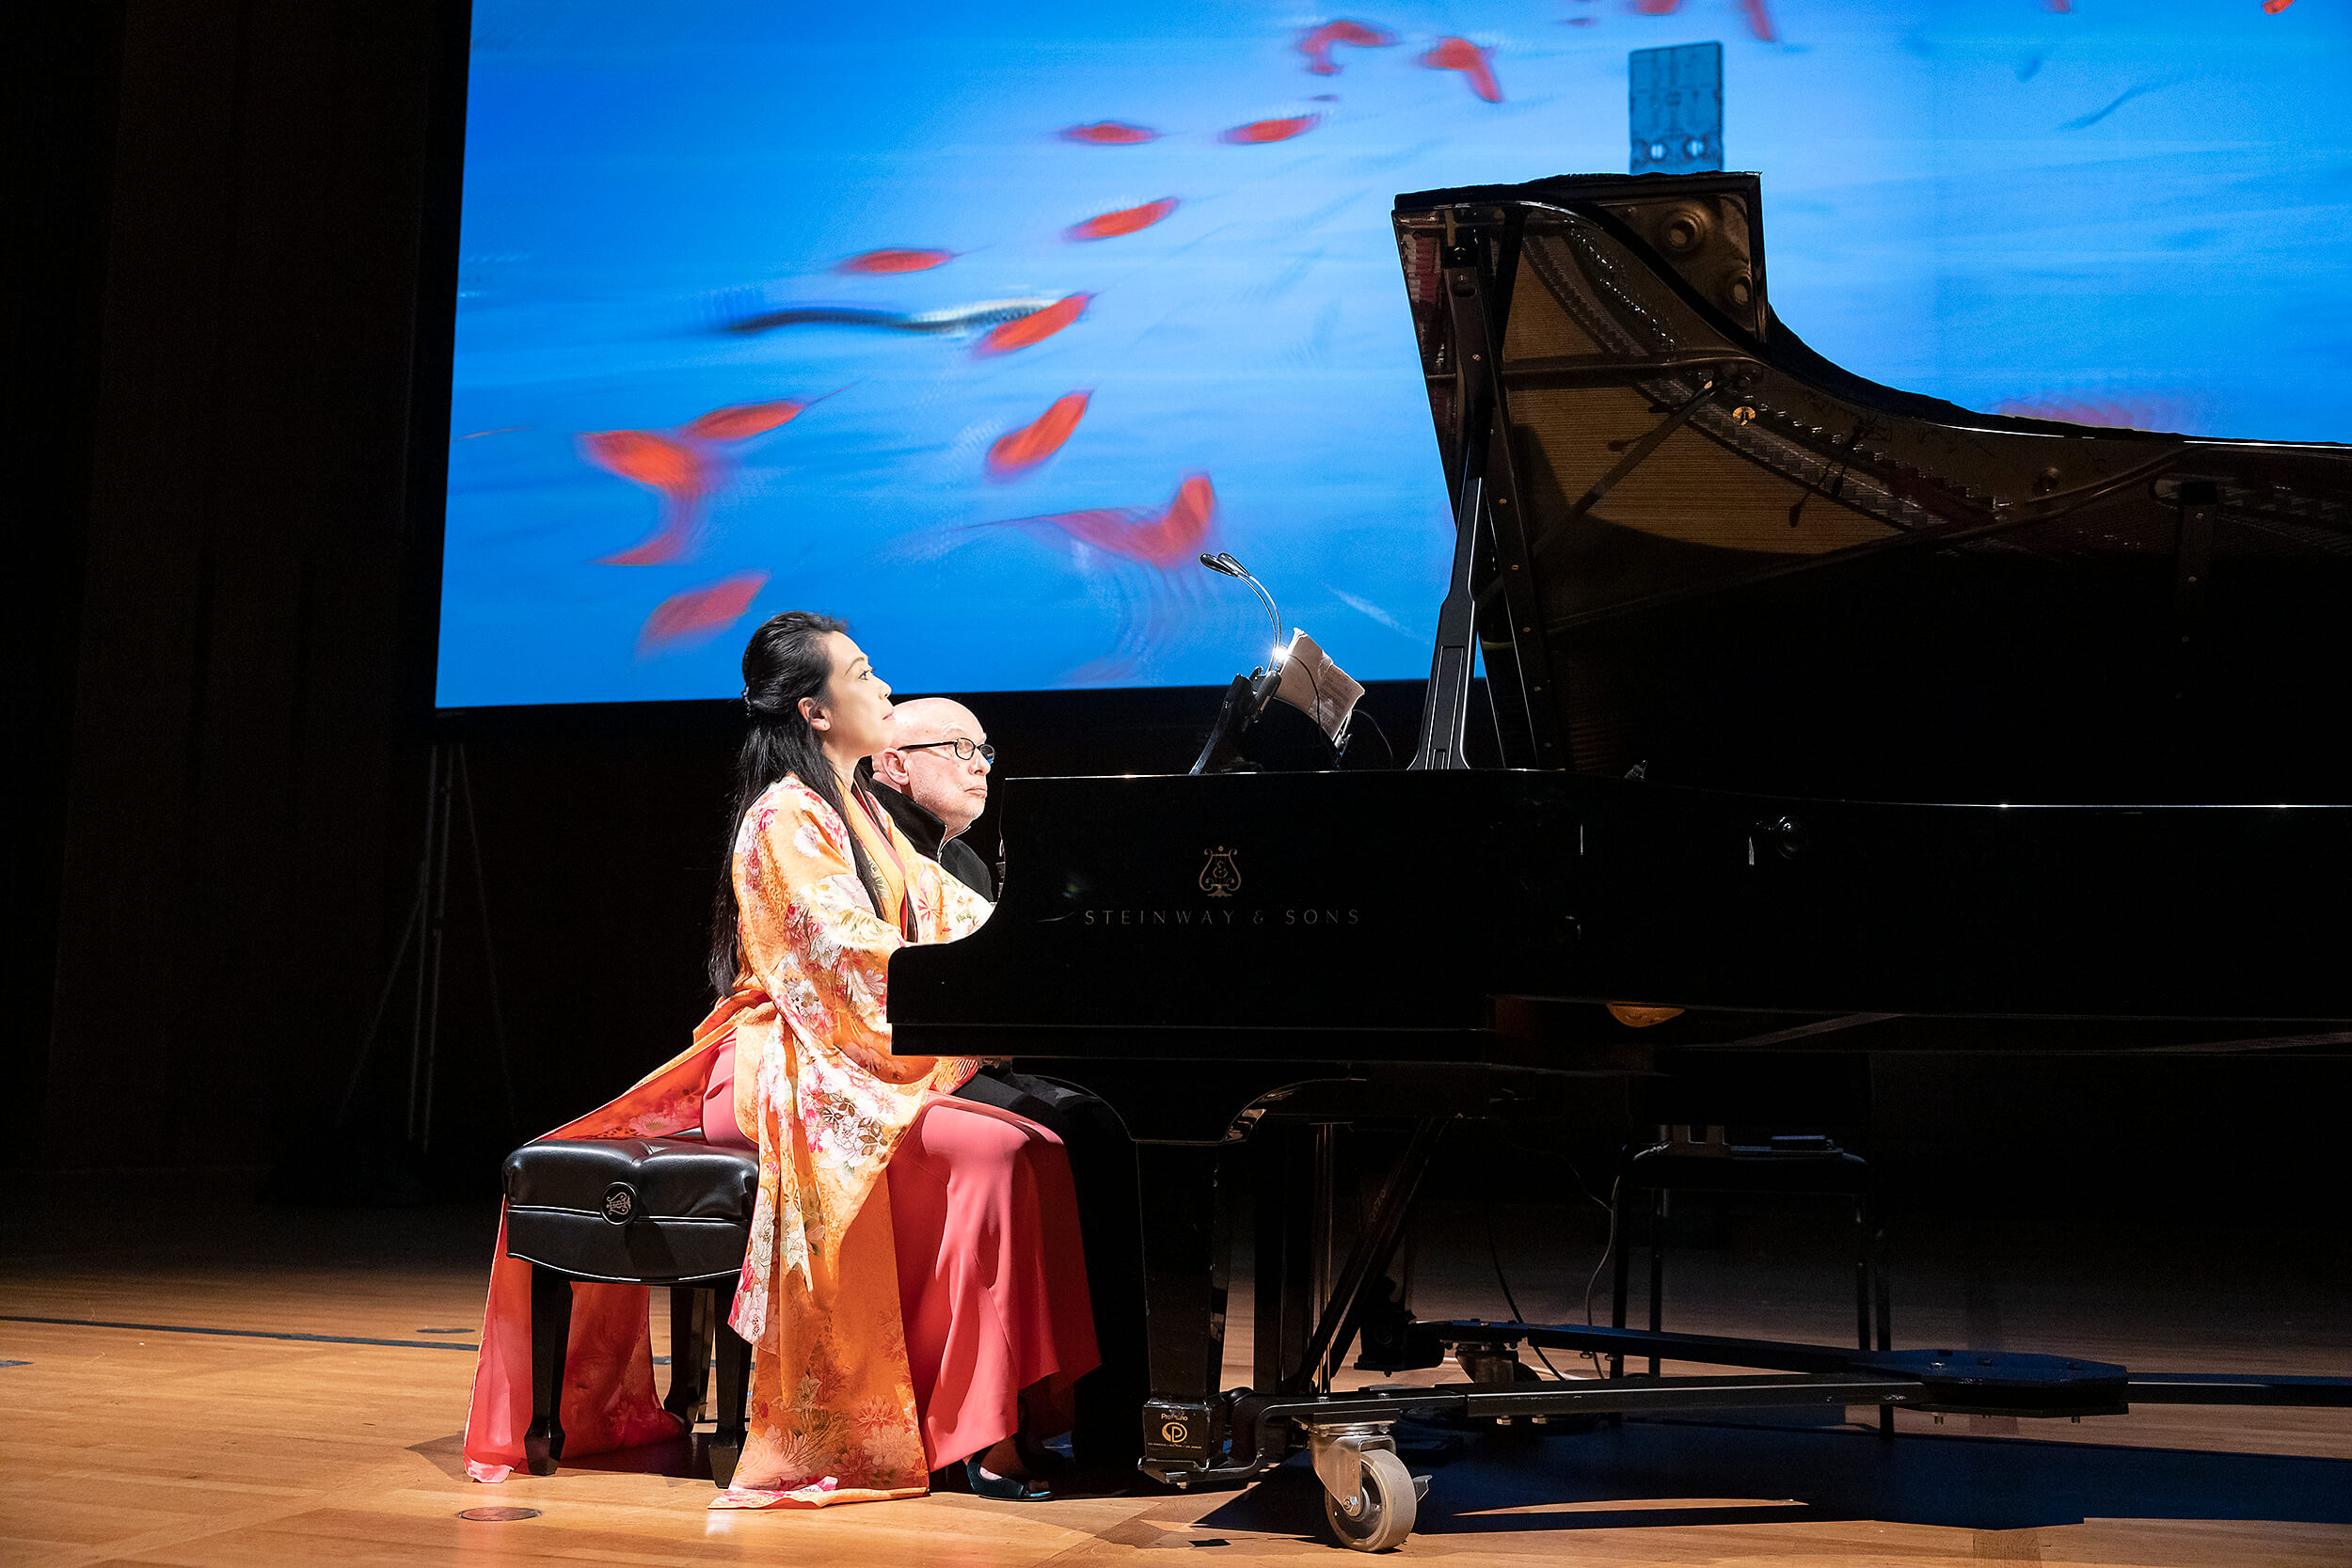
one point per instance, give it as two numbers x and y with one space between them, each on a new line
964 318
1163 539
1126 220
682 466
1270 130
1109 132
1144 577
699 614
1032 327
1761 20
885 262
1018 452
678 473
1452 54
1315 42
740 420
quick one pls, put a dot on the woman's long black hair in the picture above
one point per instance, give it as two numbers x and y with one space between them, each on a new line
785 660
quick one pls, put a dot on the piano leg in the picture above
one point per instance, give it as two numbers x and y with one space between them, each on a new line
1183 1290
1283 1177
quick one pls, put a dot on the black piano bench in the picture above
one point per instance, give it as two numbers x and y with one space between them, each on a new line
674 1211
1696 1159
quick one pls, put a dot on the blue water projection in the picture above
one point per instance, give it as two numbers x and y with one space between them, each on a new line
974 324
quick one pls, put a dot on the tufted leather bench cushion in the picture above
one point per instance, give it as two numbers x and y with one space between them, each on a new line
656 1210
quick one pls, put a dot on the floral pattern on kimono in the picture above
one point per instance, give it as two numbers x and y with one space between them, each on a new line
833 1413
833 1417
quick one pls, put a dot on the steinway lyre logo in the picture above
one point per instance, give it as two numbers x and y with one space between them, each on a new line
1220 878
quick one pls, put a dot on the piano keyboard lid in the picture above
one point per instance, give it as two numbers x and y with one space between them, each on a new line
1710 556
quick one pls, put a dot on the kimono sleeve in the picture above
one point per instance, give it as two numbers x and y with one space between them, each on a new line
810 935
944 909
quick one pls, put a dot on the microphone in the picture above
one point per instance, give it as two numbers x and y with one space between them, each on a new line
1223 563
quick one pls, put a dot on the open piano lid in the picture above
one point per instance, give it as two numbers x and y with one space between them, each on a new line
1702 550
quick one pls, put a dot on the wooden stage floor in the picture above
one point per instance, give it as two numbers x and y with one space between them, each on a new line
211 1383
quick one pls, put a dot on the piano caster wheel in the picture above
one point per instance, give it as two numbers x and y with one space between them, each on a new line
1386 1502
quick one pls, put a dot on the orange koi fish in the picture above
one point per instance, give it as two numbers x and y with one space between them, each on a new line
1656 8
1035 327
1465 57
681 468
680 475
888 261
1760 19
699 614
743 420
1185 525
1109 132
1126 221
1018 452
1270 130
1315 43
2273 8
1162 539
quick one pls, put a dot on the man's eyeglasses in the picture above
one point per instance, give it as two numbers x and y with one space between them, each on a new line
964 746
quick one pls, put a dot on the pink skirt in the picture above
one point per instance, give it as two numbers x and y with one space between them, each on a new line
992 1275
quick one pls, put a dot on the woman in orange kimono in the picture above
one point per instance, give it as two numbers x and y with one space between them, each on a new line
943 1323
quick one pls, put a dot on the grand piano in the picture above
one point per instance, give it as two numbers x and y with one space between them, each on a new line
1824 713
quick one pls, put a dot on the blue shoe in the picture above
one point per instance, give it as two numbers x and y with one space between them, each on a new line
1017 1489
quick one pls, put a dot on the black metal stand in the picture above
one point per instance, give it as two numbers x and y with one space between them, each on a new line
449 789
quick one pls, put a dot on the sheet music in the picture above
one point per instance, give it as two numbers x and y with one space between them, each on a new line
1315 685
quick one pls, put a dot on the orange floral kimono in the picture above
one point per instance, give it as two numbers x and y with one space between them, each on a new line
832 1414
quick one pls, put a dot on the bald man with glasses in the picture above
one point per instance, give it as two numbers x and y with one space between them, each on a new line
935 783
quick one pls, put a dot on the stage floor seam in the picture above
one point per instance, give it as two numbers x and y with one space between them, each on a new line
247 1333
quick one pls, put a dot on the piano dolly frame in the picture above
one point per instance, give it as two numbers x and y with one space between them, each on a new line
1196 1437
